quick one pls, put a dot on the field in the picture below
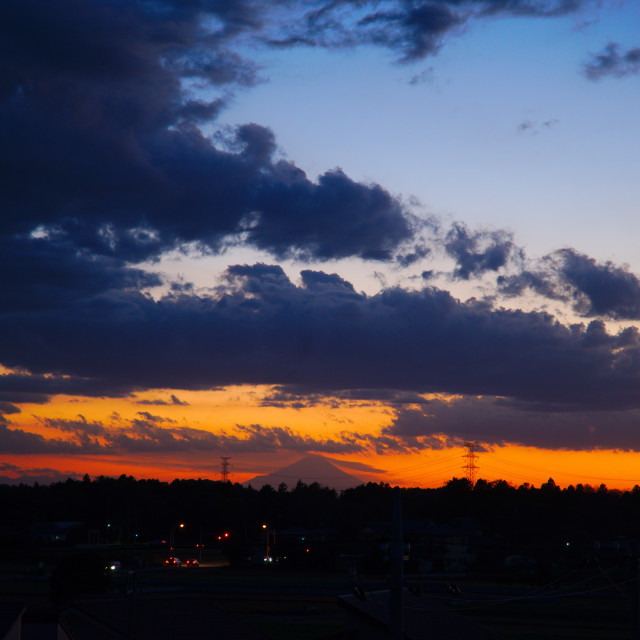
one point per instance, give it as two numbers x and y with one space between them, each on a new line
284 604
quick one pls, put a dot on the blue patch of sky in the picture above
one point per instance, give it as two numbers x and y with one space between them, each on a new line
504 131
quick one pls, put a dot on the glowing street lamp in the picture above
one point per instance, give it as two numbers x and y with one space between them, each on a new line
172 535
268 557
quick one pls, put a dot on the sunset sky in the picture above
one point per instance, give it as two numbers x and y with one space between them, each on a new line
371 230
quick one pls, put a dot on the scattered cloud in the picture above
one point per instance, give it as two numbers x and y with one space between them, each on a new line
36 475
153 434
19 441
426 76
266 330
174 400
296 396
480 251
115 175
498 422
410 31
613 61
6 408
533 128
357 466
595 289
107 166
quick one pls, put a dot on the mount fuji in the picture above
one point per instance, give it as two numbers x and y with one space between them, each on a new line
309 469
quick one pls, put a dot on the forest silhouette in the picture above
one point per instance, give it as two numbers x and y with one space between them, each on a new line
539 521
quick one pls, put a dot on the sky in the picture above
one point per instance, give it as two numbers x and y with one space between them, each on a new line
372 230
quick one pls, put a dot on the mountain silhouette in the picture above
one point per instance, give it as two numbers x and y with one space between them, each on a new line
308 470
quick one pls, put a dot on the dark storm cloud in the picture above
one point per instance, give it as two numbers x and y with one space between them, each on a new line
101 155
333 218
496 422
478 252
266 330
98 107
41 273
613 62
595 289
104 167
35 388
604 288
22 397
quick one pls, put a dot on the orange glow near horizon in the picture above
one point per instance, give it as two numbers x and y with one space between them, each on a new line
516 465
207 410
220 411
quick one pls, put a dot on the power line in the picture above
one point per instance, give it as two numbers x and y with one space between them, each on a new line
553 472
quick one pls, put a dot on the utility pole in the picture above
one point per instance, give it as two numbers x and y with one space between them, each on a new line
634 591
225 468
396 556
470 466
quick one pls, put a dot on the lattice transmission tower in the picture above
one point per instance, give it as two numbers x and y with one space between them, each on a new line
224 468
470 467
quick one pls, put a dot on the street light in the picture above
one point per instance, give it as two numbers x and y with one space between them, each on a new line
172 535
268 557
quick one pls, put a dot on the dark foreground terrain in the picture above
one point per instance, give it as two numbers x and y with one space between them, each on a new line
281 604
100 558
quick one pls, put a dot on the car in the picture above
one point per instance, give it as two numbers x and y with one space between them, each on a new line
192 562
113 567
173 562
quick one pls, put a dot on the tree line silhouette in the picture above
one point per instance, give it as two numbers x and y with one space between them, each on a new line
127 510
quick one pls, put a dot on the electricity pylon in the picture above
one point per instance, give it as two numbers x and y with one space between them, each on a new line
470 467
225 468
